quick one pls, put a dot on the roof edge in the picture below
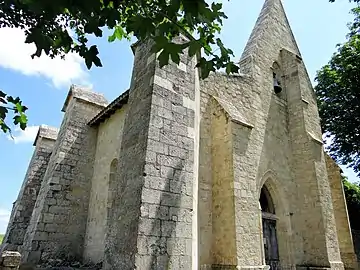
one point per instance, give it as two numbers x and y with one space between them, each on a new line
85 94
46 132
109 110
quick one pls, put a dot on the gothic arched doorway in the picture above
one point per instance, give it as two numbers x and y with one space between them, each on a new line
269 230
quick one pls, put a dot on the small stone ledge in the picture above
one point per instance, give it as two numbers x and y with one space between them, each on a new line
47 132
217 267
232 75
316 140
232 112
231 267
297 56
236 121
260 267
305 101
58 264
246 64
84 94
10 260
304 267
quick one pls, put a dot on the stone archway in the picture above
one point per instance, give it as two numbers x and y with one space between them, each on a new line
275 211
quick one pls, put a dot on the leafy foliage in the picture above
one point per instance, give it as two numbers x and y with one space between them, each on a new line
337 89
8 103
48 25
352 195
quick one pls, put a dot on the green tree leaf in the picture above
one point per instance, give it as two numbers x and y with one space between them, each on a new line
12 105
163 58
352 196
194 47
46 25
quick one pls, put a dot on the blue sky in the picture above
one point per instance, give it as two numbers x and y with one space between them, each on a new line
43 83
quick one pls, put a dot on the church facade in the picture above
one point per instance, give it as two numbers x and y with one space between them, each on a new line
181 173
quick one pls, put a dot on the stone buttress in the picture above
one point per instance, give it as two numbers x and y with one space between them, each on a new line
347 249
152 213
224 173
254 139
24 204
273 51
58 223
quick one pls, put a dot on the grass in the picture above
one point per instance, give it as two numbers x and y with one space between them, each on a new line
1 238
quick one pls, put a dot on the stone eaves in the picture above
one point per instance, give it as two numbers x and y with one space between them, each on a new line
104 114
84 94
232 112
47 132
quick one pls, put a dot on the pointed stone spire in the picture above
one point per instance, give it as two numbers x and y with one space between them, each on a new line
272 31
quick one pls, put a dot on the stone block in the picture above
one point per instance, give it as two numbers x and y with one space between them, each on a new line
10 259
168 228
48 217
40 236
170 199
178 246
150 169
51 227
143 261
157 183
151 196
149 227
158 212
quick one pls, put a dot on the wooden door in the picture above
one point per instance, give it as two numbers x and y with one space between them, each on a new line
271 244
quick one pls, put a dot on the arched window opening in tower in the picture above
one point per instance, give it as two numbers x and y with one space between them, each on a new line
277 75
277 84
266 201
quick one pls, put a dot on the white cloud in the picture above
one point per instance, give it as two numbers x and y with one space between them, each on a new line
24 136
4 219
15 54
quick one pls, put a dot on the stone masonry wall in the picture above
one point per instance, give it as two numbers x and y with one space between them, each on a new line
10 260
278 147
152 211
311 206
223 248
227 88
107 150
347 252
57 227
309 169
24 205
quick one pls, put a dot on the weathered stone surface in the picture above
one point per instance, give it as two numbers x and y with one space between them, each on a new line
157 160
170 174
103 184
58 222
24 205
10 260
86 95
346 244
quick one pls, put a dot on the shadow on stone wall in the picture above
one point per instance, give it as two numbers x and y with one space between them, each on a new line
276 159
159 248
23 207
58 224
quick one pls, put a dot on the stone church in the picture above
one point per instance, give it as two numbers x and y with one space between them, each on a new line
179 173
